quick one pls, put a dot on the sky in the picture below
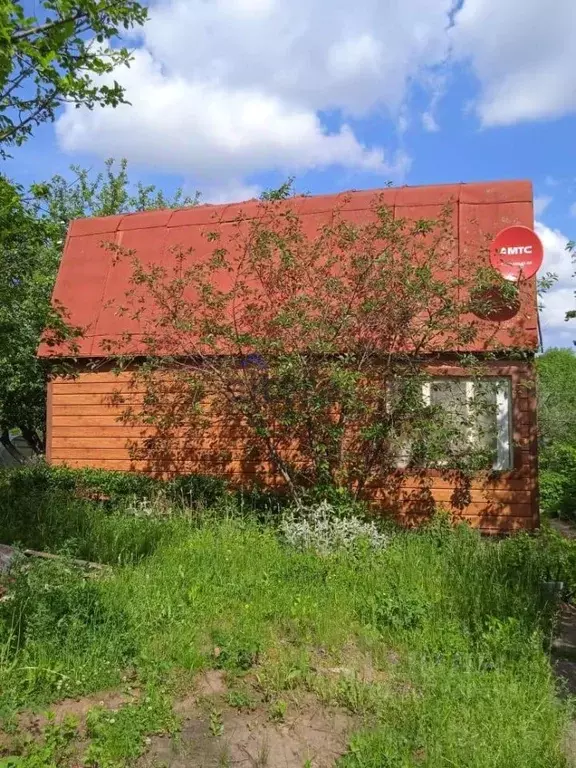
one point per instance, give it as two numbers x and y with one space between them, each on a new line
230 97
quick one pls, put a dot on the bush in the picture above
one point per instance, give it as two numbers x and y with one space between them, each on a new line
110 517
54 509
322 527
558 480
110 487
38 479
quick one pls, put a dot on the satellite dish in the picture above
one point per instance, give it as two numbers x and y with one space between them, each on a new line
517 253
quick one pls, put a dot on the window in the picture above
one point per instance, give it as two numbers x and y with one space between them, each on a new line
471 423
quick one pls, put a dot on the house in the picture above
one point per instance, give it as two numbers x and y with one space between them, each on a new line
84 429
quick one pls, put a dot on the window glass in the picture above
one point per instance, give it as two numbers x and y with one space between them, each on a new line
469 425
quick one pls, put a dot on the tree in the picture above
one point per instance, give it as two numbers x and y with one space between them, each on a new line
50 58
33 227
27 269
557 431
308 349
571 248
557 397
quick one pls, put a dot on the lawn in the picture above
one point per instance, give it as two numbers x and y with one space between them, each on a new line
419 648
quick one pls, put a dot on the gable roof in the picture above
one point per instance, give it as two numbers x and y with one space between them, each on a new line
90 286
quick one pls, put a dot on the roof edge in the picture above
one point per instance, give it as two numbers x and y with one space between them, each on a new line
477 193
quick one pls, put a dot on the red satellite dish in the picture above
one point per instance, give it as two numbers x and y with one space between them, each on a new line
517 253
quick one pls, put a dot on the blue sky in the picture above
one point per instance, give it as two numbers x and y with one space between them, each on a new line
232 96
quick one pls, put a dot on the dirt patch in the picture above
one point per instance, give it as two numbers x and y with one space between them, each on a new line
310 732
33 722
354 663
221 725
30 725
212 682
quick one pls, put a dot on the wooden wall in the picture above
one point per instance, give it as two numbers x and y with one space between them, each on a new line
84 431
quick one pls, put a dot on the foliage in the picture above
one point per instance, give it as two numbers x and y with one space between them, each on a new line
324 530
106 193
35 479
29 259
110 517
111 487
558 480
53 615
56 509
54 57
571 248
51 603
452 624
32 232
196 490
116 737
421 729
310 347
556 370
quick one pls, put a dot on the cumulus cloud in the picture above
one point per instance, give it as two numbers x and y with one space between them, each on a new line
223 89
213 131
556 302
541 203
523 53
231 191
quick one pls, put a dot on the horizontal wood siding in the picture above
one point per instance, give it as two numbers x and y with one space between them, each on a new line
84 430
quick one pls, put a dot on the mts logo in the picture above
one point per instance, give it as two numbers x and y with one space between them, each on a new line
516 250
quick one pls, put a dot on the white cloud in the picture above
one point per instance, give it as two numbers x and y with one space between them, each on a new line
213 131
541 203
224 89
231 192
523 53
429 122
322 54
556 302
556 258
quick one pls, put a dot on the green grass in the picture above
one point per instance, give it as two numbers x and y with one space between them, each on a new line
454 628
119 737
112 738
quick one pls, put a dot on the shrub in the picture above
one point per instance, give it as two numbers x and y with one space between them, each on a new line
37 479
108 486
558 480
323 528
48 508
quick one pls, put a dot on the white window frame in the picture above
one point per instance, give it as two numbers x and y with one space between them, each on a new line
503 461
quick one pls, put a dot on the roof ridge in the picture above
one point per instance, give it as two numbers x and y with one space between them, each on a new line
404 195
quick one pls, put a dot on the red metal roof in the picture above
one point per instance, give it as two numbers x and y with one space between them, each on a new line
90 286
